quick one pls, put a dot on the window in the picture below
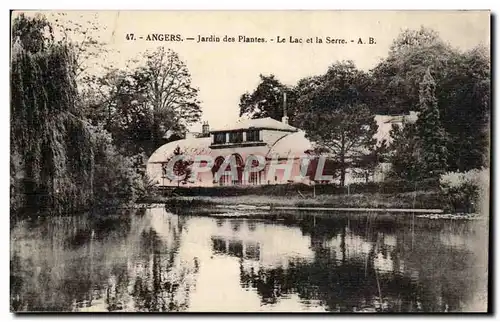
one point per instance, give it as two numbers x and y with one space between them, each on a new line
235 137
254 176
219 138
253 135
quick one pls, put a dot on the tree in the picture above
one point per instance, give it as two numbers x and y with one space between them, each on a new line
56 154
169 90
343 84
367 163
120 177
52 145
140 104
405 152
84 39
463 91
430 132
32 34
344 134
397 77
127 115
167 94
334 115
267 99
464 99
82 33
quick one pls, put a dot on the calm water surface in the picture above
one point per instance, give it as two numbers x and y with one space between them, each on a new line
153 260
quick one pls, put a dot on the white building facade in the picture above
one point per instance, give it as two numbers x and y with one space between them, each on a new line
252 152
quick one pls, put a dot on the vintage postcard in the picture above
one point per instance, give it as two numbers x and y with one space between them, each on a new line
250 161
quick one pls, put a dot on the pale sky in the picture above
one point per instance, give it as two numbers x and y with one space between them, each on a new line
224 71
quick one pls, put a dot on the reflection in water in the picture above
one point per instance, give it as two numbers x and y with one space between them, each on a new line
163 262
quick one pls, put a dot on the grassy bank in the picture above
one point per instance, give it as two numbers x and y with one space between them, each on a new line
302 190
406 200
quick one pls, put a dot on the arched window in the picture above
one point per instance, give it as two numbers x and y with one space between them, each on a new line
227 178
254 177
217 164
239 168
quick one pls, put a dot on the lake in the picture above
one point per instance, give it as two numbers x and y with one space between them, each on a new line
153 260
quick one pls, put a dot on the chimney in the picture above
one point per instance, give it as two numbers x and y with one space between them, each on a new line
205 129
412 117
284 119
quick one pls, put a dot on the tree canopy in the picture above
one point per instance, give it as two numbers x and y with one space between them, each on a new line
334 115
266 100
139 105
56 154
462 90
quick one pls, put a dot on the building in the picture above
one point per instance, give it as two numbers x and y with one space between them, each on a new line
283 151
248 139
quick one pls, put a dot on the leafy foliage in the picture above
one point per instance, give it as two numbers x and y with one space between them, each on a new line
57 155
366 164
465 191
343 84
464 98
85 41
141 105
405 155
169 86
48 136
266 100
336 118
430 132
397 78
462 91
32 34
120 179
127 116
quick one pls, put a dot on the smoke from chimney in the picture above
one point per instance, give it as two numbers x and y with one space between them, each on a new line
284 119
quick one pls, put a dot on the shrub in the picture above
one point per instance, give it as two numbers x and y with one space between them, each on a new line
117 179
464 190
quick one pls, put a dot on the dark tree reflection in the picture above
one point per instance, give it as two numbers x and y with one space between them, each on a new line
105 263
158 262
352 279
161 285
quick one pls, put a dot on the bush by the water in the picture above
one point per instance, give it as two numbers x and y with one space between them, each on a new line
465 191
118 180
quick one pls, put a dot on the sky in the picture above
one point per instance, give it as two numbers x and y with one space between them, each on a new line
224 71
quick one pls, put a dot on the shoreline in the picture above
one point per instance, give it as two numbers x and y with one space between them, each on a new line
310 208
245 211
250 206
421 201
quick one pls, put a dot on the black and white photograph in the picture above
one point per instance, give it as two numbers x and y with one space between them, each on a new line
250 161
